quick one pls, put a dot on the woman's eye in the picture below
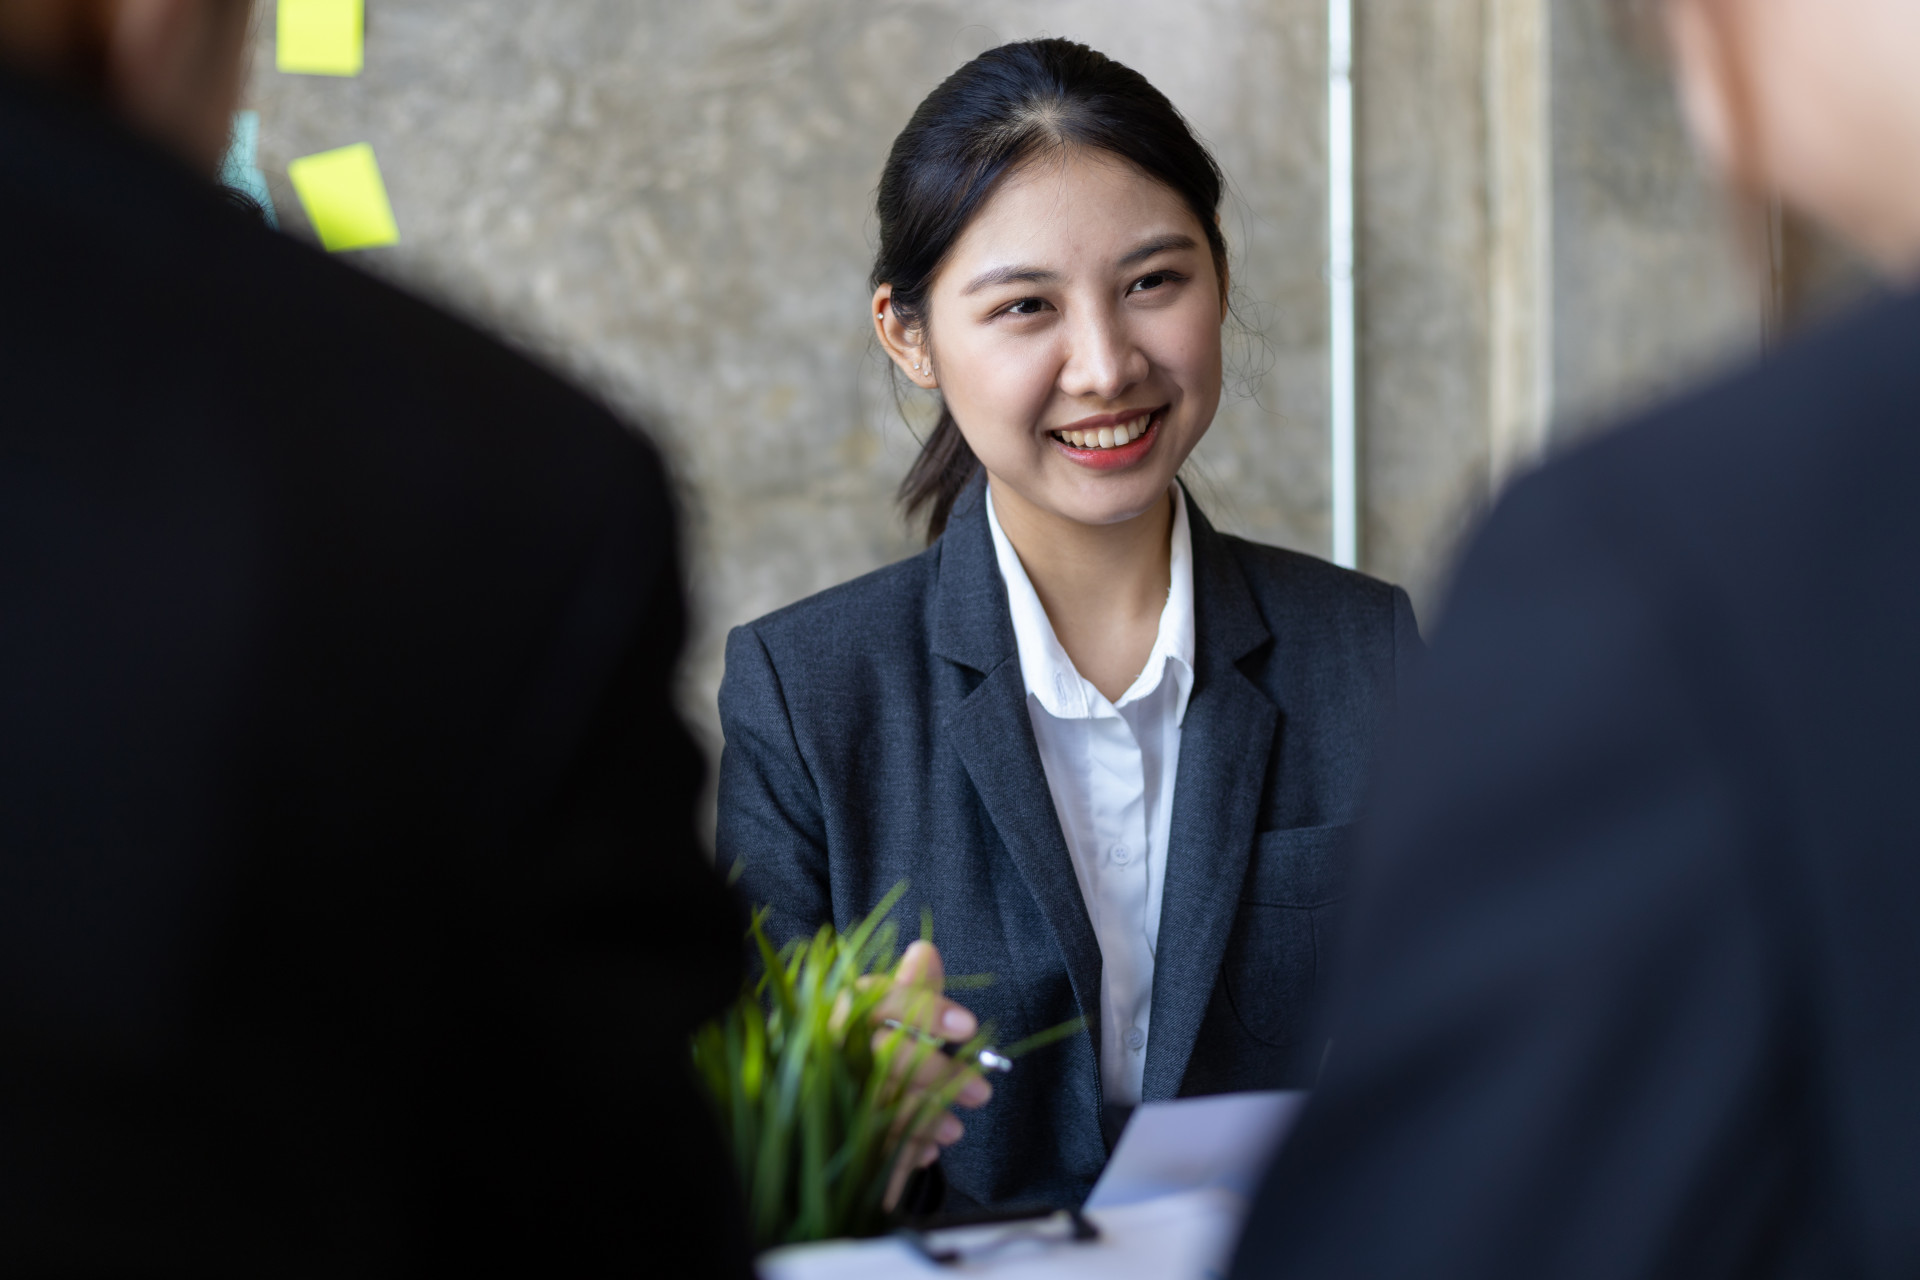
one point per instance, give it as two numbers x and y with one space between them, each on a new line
1153 281
1027 307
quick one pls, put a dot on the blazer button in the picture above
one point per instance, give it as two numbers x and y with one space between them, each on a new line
1136 1039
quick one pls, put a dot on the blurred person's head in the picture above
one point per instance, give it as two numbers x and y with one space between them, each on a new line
1051 264
1814 101
170 68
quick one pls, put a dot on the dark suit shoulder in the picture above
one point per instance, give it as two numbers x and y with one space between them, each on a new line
432 365
1796 450
849 623
1321 613
136 248
1296 579
813 687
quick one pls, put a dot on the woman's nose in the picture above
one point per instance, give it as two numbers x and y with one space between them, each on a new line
1104 360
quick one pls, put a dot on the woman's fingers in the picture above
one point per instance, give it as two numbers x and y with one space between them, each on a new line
921 966
916 1002
933 1069
916 997
897 1181
975 1093
913 1156
938 1069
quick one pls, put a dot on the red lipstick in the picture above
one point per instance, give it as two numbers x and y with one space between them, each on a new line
1113 457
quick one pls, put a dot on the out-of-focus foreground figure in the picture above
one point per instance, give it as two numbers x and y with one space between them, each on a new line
351 914
1632 984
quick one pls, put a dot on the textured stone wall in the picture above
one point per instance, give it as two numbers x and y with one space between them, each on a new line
1422 286
1644 282
1653 286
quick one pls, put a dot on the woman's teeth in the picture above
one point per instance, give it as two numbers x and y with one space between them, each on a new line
1106 437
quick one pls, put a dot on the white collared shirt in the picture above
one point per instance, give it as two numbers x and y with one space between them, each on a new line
1110 767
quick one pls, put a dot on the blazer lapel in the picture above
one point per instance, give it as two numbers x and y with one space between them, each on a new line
993 737
1225 741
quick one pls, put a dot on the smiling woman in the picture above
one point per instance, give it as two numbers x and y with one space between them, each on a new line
1113 751
1112 304
970 177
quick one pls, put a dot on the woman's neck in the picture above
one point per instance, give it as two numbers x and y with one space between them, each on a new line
1104 587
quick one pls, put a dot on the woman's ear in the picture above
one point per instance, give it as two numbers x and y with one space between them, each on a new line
906 347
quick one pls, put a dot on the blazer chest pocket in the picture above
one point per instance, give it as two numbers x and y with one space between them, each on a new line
1276 959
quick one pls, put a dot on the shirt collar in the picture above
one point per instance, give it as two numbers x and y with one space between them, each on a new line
1049 673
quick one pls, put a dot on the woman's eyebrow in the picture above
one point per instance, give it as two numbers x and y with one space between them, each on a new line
1041 275
1159 244
1011 275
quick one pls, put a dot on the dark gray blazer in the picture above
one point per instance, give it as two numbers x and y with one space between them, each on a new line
878 732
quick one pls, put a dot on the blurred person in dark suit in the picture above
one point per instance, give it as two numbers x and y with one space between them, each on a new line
1634 988
352 919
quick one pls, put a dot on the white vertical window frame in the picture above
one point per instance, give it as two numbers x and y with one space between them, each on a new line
1342 336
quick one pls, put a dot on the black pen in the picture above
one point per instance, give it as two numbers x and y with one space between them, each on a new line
988 1059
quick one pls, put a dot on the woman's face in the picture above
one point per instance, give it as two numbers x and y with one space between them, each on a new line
1075 333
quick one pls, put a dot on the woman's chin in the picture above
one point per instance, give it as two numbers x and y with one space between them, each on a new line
1112 501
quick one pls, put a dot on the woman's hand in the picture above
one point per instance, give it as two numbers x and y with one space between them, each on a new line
917 1001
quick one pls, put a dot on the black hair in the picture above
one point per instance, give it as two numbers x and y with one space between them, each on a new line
1005 107
243 201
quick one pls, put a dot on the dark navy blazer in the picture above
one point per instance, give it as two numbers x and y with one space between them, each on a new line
878 732
1635 982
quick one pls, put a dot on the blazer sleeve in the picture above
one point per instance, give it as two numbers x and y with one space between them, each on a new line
771 830
1556 1043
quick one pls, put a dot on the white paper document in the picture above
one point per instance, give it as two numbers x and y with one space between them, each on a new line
1222 1142
1182 1237
1169 1206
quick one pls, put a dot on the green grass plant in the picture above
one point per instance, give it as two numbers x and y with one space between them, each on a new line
808 1096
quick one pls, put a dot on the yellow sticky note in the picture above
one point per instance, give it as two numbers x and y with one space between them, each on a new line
321 37
344 198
